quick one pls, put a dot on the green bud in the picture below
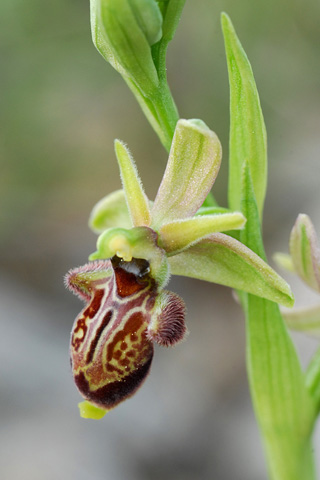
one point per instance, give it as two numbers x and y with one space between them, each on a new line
305 252
123 32
149 18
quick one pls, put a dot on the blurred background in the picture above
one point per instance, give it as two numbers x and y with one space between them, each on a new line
61 106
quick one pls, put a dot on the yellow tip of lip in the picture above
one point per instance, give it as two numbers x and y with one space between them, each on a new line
88 410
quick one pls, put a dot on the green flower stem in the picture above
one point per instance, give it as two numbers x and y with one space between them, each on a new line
283 407
159 109
313 379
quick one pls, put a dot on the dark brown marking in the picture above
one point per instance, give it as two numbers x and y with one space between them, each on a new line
81 325
114 392
95 304
94 343
124 362
117 354
132 325
124 346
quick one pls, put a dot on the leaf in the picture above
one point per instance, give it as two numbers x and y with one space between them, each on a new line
179 235
247 129
111 211
222 259
193 165
137 201
305 252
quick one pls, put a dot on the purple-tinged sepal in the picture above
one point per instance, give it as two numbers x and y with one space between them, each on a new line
192 168
305 252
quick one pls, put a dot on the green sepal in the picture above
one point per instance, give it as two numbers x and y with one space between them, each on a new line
305 252
111 211
137 201
138 242
247 128
222 259
306 320
193 165
181 234
88 410
284 261
212 211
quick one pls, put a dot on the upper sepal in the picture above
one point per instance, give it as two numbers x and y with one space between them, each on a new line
305 252
192 167
222 259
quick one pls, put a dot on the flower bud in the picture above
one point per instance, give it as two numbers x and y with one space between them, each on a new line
123 32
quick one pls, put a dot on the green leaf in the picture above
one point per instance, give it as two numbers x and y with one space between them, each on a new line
247 129
179 235
111 211
137 201
305 252
192 168
224 260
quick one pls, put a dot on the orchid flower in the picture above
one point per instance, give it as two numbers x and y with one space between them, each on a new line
140 244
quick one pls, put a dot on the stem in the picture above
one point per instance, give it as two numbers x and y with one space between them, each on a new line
295 463
284 410
159 109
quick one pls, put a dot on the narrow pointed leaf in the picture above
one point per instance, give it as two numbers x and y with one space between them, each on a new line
179 235
222 259
192 168
305 251
306 320
247 129
137 201
111 211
